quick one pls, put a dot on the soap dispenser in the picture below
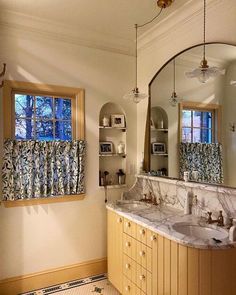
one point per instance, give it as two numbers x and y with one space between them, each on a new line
232 233
187 205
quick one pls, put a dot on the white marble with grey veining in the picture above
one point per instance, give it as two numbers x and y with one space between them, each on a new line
160 220
171 193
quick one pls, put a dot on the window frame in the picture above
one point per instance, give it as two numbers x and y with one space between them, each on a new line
78 124
35 119
12 87
203 107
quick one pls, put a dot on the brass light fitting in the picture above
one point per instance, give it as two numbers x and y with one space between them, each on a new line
164 3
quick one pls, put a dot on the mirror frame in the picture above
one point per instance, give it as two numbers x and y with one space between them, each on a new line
147 139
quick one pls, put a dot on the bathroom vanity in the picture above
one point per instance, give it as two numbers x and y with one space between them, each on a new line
158 250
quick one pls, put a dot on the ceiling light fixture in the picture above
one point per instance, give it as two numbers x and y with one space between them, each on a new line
204 72
134 94
174 100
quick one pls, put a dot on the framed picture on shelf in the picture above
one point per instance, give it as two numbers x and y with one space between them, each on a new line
158 148
118 121
105 147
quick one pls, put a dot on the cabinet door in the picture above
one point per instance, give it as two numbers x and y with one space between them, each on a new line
114 249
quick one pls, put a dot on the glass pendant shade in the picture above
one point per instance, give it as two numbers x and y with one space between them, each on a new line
135 95
174 100
204 72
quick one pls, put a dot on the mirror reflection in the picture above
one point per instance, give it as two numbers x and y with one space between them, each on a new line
193 134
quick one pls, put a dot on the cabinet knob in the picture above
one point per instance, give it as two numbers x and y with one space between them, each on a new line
142 253
142 277
153 238
128 224
127 288
142 232
127 266
127 244
119 220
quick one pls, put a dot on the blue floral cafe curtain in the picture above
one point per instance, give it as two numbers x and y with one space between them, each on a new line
37 169
205 158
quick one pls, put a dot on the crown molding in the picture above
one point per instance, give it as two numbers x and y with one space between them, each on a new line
24 25
181 18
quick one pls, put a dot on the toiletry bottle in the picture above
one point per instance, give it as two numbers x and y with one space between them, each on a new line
187 209
232 233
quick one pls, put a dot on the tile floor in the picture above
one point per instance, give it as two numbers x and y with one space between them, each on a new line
93 285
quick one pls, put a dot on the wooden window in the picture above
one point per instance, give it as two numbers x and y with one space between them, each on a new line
199 122
63 125
43 112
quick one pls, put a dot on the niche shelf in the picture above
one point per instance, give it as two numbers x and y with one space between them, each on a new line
113 161
159 134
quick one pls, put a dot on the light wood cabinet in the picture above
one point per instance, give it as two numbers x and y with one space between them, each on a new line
140 262
115 249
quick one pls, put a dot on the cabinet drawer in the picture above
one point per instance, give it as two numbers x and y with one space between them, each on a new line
130 228
129 288
129 246
151 238
141 234
144 280
144 256
129 268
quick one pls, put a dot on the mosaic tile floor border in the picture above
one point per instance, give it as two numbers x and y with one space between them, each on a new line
78 284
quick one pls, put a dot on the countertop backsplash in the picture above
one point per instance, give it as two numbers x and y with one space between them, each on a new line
172 192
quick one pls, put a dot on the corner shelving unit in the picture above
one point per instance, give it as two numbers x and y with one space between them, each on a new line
114 161
159 134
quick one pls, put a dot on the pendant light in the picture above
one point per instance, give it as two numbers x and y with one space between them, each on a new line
174 100
204 72
134 94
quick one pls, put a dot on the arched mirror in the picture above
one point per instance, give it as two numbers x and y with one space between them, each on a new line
196 136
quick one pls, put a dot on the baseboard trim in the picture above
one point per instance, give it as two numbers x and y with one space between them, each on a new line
20 284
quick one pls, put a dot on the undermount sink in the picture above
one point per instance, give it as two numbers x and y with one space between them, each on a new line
132 205
200 232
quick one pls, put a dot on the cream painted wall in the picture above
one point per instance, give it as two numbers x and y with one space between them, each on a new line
37 238
177 33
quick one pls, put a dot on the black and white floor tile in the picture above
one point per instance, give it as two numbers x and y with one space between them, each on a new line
89 286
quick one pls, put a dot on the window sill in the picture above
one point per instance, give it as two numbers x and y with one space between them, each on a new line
42 201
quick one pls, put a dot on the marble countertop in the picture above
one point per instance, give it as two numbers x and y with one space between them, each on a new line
160 219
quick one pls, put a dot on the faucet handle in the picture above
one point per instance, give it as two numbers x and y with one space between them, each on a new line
209 219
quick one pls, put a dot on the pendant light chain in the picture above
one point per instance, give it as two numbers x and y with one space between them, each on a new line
174 74
204 32
136 56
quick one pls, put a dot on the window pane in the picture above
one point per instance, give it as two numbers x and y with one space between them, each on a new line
24 105
63 130
186 118
63 108
186 135
24 129
197 117
44 130
207 135
207 119
196 135
44 107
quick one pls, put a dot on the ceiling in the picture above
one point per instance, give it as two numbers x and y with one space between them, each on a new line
110 17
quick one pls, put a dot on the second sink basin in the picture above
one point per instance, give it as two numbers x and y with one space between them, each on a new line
200 232
132 205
